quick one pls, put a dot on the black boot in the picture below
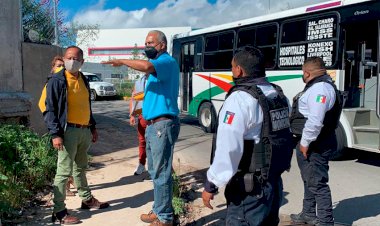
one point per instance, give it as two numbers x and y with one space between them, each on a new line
64 218
302 218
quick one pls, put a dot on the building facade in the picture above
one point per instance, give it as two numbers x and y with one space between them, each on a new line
120 44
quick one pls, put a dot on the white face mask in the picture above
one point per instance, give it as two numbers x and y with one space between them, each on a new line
72 66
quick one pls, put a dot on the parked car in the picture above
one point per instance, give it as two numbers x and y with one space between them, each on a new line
98 87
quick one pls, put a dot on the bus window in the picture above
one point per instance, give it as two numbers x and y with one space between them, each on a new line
226 41
246 37
219 51
218 60
269 56
322 28
266 35
212 43
266 40
294 32
312 37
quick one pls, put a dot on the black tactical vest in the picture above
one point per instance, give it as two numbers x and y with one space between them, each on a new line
275 146
331 120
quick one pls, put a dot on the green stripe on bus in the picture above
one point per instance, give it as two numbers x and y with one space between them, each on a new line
214 91
283 77
205 95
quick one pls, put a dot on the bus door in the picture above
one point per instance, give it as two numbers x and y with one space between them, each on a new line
190 62
187 66
361 50
361 56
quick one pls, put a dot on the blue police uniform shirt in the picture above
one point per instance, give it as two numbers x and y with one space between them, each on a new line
161 91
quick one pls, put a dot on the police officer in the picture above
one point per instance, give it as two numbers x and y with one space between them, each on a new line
314 118
252 145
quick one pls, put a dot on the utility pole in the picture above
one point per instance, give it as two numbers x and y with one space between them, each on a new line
56 40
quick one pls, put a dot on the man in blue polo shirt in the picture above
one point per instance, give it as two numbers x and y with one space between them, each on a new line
160 109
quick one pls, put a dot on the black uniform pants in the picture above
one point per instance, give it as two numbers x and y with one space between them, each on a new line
259 207
314 173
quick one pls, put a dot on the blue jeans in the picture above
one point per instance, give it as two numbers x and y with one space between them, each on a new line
314 173
257 208
160 139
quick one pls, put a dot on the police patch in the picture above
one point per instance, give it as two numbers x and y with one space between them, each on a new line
279 119
229 117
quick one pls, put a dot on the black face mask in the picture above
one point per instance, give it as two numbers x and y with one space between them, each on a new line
151 52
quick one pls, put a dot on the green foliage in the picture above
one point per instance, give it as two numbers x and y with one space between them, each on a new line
125 89
27 164
176 185
136 52
178 203
37 17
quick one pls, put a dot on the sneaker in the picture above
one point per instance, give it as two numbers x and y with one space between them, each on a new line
93 203
302 218
149 217
140 169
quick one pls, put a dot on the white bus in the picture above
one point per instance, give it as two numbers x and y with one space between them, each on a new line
344 33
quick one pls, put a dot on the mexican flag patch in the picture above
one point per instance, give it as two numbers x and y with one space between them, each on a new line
229 117
321 99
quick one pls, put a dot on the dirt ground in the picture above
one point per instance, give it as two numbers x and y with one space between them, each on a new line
113 160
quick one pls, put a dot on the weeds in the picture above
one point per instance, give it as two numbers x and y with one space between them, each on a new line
178 203
27 164
125 89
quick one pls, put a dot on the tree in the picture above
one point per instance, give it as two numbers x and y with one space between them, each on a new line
37 21
38 24
136 55
136 52
79 34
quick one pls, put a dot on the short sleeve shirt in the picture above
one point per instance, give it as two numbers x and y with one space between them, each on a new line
161 91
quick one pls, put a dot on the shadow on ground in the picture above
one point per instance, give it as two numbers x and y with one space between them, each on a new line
121 182
118 204
364 157
368 158
353 209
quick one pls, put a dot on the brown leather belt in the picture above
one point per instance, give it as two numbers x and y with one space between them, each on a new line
78 125
160 118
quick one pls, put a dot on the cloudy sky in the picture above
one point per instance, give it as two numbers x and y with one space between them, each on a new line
166 13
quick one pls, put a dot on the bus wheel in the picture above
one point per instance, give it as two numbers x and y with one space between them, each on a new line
341 148
207 117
